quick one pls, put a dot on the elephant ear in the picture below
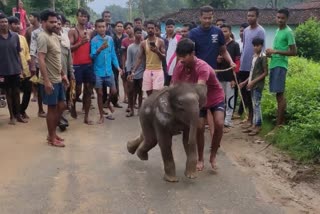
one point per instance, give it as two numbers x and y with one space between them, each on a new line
201 90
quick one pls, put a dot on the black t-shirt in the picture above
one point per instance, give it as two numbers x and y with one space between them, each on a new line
117 46
10 62
234 51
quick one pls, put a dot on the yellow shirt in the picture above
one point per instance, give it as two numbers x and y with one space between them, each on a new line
153 61
25 55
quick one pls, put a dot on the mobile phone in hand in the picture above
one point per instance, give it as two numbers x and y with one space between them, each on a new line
153 44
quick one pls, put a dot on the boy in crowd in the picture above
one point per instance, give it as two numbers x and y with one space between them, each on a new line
134 79
185 30
171 57
25 84
104 56
255 84
227 79
283 46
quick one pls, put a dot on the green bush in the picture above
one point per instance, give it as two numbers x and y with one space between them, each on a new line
307 38
301 134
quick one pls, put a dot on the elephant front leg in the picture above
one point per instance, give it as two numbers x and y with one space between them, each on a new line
190 147
165 144
133 145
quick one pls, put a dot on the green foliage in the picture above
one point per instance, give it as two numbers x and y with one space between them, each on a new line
307 39
301 135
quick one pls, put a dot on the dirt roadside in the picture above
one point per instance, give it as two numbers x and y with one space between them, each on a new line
278 178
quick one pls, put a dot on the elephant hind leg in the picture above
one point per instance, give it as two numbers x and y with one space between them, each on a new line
133 145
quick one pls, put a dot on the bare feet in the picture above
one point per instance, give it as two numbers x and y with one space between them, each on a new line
88 122
213 162
12 121
200 165
101 120
56 143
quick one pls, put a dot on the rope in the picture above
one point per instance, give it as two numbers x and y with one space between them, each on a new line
222 70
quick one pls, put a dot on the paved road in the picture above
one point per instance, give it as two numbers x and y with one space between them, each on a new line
95 174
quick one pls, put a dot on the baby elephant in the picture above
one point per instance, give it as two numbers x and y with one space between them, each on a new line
167 113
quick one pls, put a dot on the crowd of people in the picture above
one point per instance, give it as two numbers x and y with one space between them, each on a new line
58 64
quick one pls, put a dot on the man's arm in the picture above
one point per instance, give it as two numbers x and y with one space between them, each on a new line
291 52
43 67
225 54
162 50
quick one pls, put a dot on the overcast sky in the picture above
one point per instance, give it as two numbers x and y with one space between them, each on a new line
99 5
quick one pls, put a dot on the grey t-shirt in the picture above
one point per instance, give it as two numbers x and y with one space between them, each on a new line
247 52
132 54
10 62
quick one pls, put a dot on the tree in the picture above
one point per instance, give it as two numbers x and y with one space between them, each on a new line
118 13
307 39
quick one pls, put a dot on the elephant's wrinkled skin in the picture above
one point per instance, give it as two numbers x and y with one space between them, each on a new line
167 113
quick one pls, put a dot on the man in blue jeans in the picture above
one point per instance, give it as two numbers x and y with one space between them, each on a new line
104 56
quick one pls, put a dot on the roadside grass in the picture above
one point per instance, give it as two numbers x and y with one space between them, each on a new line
300 137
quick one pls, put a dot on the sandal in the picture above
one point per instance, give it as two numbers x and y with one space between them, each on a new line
130 114
110 117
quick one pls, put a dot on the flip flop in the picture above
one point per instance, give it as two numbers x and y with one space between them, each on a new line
110 117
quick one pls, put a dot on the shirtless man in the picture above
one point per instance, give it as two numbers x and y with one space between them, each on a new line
80 47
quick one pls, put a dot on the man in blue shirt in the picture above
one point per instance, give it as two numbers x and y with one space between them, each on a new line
104 56
209 43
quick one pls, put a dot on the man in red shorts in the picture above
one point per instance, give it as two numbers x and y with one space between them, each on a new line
193 70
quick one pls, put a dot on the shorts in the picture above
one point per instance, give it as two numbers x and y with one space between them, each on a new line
105 81
277 77
84 74
58 94
218 107
153 80
137 84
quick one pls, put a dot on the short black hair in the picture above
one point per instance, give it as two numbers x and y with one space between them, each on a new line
226 26
185 47
99 21
284 11
151 22
137 29
2 16
257 41
44 16
221 20
244 25
127 24
189 25
62 18
206 9
170 22
137 20
118 22
13 20
35 15
104 12
83 12
254 9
